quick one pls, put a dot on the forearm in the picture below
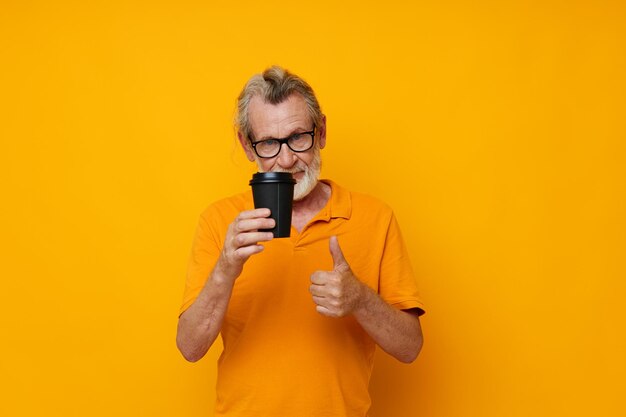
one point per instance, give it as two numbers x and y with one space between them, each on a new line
397 332
200 324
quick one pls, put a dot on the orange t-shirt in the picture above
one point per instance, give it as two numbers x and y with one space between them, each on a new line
281 357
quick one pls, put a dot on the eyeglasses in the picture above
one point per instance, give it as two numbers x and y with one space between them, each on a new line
298 142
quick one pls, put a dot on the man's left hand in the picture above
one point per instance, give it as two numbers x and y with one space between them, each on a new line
336 293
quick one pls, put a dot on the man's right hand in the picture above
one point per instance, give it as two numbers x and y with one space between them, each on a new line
242 241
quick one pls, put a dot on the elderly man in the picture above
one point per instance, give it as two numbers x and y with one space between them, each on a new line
300 317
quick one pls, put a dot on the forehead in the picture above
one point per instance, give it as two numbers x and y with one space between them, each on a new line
278 120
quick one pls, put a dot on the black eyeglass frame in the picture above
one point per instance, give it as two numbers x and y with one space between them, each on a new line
286 142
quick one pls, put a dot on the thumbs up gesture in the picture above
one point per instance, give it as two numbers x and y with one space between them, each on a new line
336 293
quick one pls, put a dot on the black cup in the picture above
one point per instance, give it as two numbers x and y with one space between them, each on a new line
274 190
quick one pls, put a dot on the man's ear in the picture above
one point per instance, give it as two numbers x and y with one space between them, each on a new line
247 148
322 132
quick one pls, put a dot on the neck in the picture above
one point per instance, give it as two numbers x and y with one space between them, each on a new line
304 210
315 200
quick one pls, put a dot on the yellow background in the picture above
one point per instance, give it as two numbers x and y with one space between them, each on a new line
495 129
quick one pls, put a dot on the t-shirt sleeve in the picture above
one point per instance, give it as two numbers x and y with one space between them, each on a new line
398 286
205 251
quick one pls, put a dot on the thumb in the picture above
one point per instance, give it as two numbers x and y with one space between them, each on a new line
339 261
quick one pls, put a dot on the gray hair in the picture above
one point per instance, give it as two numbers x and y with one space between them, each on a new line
274 85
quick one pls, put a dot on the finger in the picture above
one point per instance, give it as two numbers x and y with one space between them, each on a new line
248 251
319 278
243 240
319 301
318 291
252 214
322 302
339 261
325 311
247 225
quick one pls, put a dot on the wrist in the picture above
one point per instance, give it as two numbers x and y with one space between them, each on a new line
222 276
364 297
224 271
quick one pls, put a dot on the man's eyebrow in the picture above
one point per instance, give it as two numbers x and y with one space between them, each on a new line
296 130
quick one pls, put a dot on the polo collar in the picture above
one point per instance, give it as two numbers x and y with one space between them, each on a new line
340 203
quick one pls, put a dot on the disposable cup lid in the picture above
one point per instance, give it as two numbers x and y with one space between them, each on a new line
272 177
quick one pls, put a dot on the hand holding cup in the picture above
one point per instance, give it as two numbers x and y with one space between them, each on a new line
242 240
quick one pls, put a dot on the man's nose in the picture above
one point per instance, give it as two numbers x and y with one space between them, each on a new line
286 157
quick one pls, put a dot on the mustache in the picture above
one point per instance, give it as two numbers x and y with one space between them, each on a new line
293 170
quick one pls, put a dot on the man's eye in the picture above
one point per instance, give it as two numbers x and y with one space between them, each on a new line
268 143
298 137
